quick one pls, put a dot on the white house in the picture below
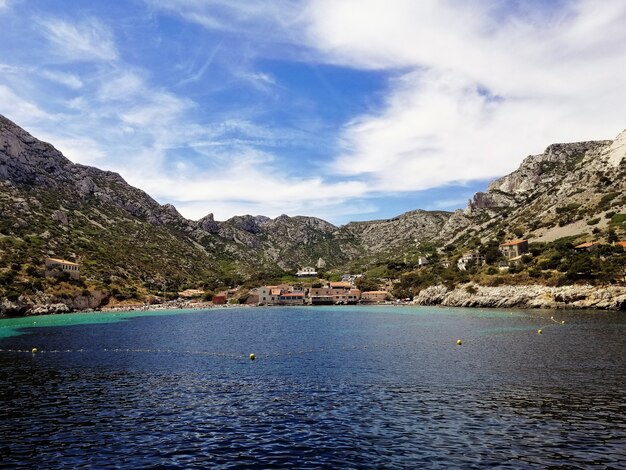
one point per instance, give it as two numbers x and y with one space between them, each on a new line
307 271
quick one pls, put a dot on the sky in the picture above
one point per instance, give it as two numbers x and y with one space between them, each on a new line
341 109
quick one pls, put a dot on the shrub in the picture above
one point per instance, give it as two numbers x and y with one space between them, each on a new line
593 221
471 290
617 219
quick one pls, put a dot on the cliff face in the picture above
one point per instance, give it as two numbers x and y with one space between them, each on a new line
120 235
92 216
533 296
556 193
52 207
406 230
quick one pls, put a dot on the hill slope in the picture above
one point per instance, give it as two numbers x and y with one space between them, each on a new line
127 242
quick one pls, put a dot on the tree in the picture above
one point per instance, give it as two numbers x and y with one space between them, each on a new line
491 252
365 283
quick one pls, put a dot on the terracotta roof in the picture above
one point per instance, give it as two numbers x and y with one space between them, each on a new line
621 244
340 284
275 291
292 295
585 245
63 261
375 292
513 242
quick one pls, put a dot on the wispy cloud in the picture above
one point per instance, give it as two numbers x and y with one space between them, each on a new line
196 75
474 89
87 40
271 17
68 79
212 125
21 109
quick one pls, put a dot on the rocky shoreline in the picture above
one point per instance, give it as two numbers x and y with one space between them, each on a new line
465 295
532 296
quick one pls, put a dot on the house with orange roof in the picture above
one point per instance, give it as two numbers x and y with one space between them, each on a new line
340 285
622 244
587 247
514 248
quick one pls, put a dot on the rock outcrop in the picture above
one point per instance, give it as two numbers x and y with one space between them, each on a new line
534 296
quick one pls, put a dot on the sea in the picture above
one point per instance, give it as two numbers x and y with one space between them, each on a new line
329 387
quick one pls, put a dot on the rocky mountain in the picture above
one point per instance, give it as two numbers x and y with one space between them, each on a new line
569 189
53 207
401 232
125 240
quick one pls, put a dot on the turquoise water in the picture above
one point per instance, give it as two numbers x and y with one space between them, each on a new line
332 387
16 326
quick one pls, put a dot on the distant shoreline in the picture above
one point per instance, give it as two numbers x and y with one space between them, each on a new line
505 297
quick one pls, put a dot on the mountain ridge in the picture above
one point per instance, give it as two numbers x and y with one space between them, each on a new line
122 236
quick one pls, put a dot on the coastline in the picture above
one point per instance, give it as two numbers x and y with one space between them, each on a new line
470 295
526 297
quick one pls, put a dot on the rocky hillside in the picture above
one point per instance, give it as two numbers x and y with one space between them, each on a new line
569 189
406 230
121 236
52 207
126 241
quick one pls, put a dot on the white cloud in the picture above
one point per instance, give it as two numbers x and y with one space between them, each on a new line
271 17
18 108
244 189
68 79
76 41
475 91
78 149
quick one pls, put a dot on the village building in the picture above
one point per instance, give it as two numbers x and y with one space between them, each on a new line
331 295
321 299
307 271
622 244
220 298
351 278
422 261
470 258
340 285
374 296
514 248
586 247
288 298
268 295
55 267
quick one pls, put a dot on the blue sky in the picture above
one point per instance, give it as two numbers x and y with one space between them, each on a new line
341 109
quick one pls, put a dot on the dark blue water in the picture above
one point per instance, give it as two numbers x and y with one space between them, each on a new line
332 387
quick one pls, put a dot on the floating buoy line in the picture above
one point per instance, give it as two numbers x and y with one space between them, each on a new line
251 356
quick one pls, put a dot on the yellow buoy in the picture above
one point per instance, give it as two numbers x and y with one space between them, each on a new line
539 331
252 356
34 350
562 322
459 342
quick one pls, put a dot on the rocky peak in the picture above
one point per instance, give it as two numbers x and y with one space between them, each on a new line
616 153
554 162
208 224
26 160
